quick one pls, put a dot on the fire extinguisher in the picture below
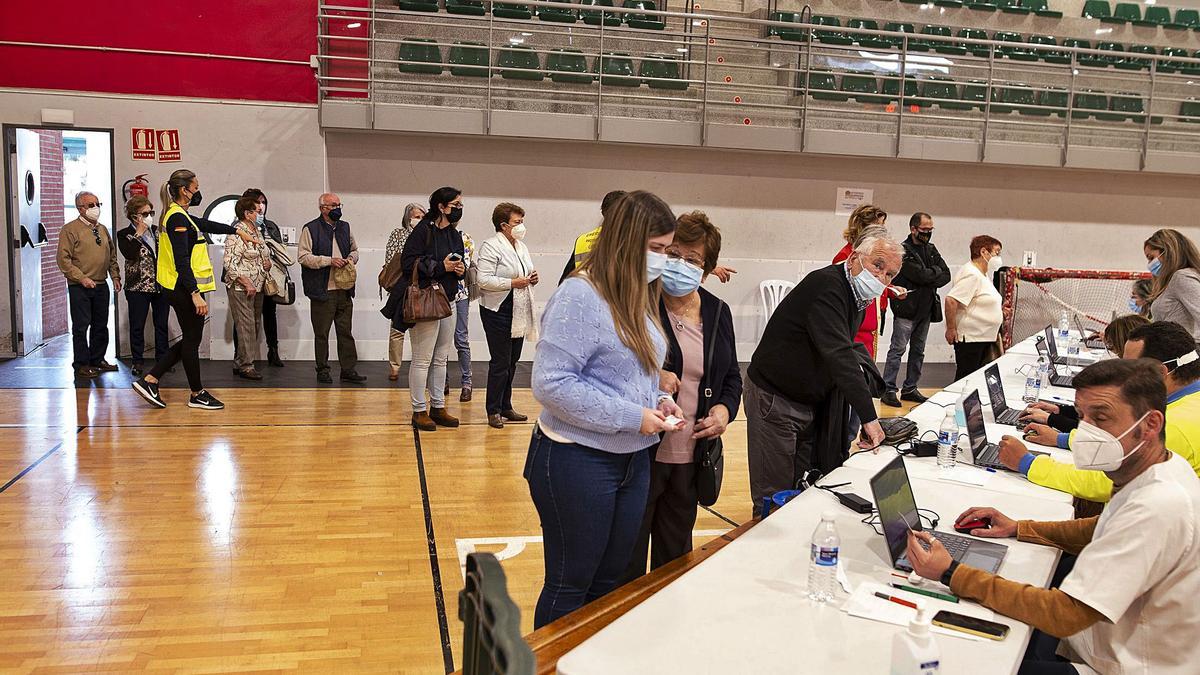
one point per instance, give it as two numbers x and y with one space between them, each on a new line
136 186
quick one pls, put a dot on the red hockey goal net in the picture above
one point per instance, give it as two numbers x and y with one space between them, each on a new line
1036 297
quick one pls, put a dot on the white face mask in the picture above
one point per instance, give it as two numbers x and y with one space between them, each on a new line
92 214
1094 449
994 264
655 264
412 222
518 231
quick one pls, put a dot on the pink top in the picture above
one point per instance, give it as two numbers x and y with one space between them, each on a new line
677 447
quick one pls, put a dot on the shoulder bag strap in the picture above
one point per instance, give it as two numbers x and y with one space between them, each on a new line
708 353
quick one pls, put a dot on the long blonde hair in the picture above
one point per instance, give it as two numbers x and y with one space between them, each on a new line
1175 252
180 178
616 268
862 217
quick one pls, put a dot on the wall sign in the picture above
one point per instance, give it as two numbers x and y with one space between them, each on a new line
168 145
850 198
144 143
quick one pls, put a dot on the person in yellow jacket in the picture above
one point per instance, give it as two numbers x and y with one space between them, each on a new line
185 274
1169 344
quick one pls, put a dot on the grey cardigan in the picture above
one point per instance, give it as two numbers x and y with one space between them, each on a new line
1180 302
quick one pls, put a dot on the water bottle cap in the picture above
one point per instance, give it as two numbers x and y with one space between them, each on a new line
828 515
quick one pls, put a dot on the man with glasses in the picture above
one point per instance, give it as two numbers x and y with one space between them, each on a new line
326 244
87 258
922 273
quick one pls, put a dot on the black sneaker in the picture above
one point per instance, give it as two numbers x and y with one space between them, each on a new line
352 377
889 398
914 396
149 391
324 377
205 401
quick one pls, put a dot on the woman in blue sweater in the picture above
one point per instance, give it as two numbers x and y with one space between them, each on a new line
596 374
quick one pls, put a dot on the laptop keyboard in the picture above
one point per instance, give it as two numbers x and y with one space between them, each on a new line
956 545
1009 416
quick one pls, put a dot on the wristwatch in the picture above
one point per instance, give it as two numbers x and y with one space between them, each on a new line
949 573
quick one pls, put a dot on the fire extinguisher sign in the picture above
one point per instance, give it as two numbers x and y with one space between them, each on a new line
168 145
144 144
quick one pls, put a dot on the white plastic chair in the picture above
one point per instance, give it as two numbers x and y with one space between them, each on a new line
773 291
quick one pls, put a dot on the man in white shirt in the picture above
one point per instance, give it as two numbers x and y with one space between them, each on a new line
1129 604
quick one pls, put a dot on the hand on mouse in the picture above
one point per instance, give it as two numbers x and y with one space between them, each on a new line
1001 525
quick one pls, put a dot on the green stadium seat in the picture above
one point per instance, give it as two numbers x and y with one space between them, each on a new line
1117 49
1161 16
594 17
418 6
942 88
1172 66
660 71
789 17
1188 17
568 66
891 91
1041 8
1089 60
1016 53
1189 111
420 55
1097 9
1053 97
1048 55
1131 63
862 86
822 85
915 44
981 51
869 41
643 21
617 69
469 59
467 7
1086 102
913 2
829 37
1021 98
1126 12
952 48
1013 7
506 10
565 14
1191 68
519 62
1125 106
975 93
982 5
948 3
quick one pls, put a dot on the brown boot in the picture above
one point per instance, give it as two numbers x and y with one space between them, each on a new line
495 422
442 418
514 416
422 421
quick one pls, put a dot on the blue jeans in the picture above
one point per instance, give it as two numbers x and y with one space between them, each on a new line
910 333
462 342
591 504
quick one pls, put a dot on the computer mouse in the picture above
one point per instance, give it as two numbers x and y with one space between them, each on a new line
978 524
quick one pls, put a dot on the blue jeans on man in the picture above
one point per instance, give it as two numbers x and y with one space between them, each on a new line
910 334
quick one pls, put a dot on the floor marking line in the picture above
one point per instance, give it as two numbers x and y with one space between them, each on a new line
434 566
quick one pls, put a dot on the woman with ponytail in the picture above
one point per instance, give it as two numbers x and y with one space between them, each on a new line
1175 295
596 374
185 274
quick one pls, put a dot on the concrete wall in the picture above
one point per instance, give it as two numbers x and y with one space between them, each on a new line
776 210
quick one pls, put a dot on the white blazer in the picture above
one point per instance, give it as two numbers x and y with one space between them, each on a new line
500 263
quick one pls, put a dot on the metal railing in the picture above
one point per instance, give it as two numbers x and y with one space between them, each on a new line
714 70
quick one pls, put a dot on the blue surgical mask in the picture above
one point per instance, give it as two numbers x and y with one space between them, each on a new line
259 218
655 264
1155 266
1133 306
680 277
867 285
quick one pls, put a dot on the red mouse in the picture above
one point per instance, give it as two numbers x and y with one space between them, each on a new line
965 527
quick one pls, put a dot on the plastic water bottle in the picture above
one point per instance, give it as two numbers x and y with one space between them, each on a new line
947 442
1034 381
822 565
1073 346
915 652
1064 327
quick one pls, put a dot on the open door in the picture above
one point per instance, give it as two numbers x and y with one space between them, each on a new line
28 238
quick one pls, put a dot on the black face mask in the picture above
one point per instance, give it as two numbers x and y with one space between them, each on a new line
335 214
455 215
196 199
924 237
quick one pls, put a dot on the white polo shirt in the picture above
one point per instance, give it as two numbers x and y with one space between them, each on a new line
981 316
1142 572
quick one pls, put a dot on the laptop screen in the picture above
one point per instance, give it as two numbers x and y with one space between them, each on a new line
976 431
1051 344
897 507
995 389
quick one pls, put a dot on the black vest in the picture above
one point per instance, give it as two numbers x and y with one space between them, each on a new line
316 282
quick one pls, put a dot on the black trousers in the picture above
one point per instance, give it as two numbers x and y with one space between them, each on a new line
969 357
503 353
670 516
89 323
1041 659
187 349
140 305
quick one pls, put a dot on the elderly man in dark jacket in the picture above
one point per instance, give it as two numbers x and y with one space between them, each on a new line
922 273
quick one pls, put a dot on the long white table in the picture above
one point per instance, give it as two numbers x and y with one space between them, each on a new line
745 609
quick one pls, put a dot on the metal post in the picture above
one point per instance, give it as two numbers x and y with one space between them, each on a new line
805 52
487 105
1149 111
1070 103
704 100
987 100
600 80
900 105
371 68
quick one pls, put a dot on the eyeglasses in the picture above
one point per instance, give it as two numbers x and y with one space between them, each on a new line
147 214
332 206
674 254
924 231
96 234
89 206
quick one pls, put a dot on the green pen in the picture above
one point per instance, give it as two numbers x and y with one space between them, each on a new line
922 591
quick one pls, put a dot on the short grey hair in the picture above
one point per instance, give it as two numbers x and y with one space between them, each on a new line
84 193
876 231
870 244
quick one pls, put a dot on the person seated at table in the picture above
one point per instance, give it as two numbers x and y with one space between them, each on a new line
1128 605
1064 417
1169 344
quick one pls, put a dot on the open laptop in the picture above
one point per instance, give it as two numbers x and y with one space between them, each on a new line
982 453
898 514
1091 343
995 387
1061 359
1056 378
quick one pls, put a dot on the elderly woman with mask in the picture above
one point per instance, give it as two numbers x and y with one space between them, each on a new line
395 244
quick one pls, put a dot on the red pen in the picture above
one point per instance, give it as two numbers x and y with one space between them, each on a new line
898 601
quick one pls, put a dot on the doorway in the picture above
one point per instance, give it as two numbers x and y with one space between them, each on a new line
46 168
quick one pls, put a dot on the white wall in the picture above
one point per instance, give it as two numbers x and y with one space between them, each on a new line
775 210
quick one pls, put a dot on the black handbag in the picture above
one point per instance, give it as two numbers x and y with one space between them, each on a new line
710 452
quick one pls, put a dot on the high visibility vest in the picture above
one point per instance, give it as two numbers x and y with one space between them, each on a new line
202 268
584 244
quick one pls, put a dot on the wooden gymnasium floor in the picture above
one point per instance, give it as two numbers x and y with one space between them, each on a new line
299 529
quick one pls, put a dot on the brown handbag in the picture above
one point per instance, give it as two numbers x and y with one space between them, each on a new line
424 304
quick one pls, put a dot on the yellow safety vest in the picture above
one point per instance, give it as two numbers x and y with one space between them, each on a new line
584 244
202 268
